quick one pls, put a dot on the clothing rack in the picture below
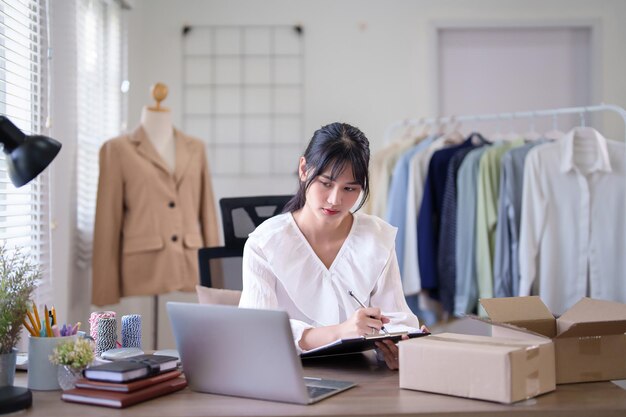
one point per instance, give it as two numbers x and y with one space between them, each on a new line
508 116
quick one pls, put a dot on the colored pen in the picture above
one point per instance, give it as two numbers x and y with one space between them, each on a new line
362 305
54 315
47 323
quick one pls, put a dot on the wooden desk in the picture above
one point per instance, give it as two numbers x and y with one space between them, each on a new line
377 394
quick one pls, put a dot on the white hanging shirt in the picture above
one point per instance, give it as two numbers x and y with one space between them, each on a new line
573 226
281 271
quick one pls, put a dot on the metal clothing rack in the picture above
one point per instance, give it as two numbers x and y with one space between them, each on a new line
508 116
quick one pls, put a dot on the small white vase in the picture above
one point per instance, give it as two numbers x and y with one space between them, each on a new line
7 368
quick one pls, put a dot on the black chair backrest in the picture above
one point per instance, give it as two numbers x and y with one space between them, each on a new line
241 215
220 267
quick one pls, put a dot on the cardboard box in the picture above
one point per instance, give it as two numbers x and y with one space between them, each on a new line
589 339
481 367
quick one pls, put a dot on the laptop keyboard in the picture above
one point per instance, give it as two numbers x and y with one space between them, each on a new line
315 392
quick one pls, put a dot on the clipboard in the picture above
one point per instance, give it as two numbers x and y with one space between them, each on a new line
357 344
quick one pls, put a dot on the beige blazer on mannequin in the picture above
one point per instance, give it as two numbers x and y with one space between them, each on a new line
150 222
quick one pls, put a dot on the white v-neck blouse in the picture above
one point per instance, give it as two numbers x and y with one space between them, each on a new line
281 271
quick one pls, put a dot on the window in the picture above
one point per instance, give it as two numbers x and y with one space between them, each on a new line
24 212
101 50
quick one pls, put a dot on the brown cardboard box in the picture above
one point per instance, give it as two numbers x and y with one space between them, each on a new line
589 339
482 367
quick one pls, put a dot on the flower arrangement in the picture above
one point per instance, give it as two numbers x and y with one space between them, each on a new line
18 280
76 354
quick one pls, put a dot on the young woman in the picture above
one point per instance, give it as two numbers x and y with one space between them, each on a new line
307 260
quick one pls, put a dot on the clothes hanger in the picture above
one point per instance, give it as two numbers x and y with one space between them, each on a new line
425 127
498 135
532 134
455 136
512 135
584 132
554 133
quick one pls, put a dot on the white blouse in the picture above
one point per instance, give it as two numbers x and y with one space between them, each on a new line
573 228
281 271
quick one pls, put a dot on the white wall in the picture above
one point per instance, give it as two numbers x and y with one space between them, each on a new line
368 62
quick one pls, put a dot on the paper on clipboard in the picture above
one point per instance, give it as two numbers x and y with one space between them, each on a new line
357 344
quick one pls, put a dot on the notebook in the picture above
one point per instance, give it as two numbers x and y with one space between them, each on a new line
127 386
244 352
131 368
122 399
357 344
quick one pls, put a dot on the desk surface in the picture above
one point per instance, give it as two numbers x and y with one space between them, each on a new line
377 394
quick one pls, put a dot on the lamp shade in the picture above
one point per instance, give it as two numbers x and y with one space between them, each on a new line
27 155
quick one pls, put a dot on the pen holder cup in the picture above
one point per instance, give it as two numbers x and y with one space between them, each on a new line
42 374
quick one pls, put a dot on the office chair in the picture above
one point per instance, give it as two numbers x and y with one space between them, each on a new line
220 267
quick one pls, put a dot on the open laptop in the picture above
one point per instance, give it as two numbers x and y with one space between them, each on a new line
243 352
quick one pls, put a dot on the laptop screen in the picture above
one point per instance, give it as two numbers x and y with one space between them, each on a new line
235 351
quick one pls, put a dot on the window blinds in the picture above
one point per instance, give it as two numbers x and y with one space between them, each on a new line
24 212
100 49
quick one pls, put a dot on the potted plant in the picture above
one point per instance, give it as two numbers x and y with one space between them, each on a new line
73 356
18 280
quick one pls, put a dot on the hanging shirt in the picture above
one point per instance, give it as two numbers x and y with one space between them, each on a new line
487 214
281 271
573 226
429 217
446 255
418 169
397 205
381 167
466 293
506 259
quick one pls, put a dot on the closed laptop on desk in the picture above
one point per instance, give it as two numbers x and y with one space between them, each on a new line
243 352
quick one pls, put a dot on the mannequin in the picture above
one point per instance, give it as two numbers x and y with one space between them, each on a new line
157 123
155 209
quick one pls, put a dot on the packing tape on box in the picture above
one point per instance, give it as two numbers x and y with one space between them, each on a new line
532 352
532 384
476 342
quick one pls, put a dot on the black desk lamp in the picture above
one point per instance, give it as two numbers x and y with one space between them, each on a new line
26 157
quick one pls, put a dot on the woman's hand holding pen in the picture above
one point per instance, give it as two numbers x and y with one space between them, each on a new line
364 321
390 350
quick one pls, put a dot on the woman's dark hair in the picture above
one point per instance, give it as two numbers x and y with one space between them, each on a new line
333 146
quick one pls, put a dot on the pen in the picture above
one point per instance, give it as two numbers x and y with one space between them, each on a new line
47 324
54 315
362 305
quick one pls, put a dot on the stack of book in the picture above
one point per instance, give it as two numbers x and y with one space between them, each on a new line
126 382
